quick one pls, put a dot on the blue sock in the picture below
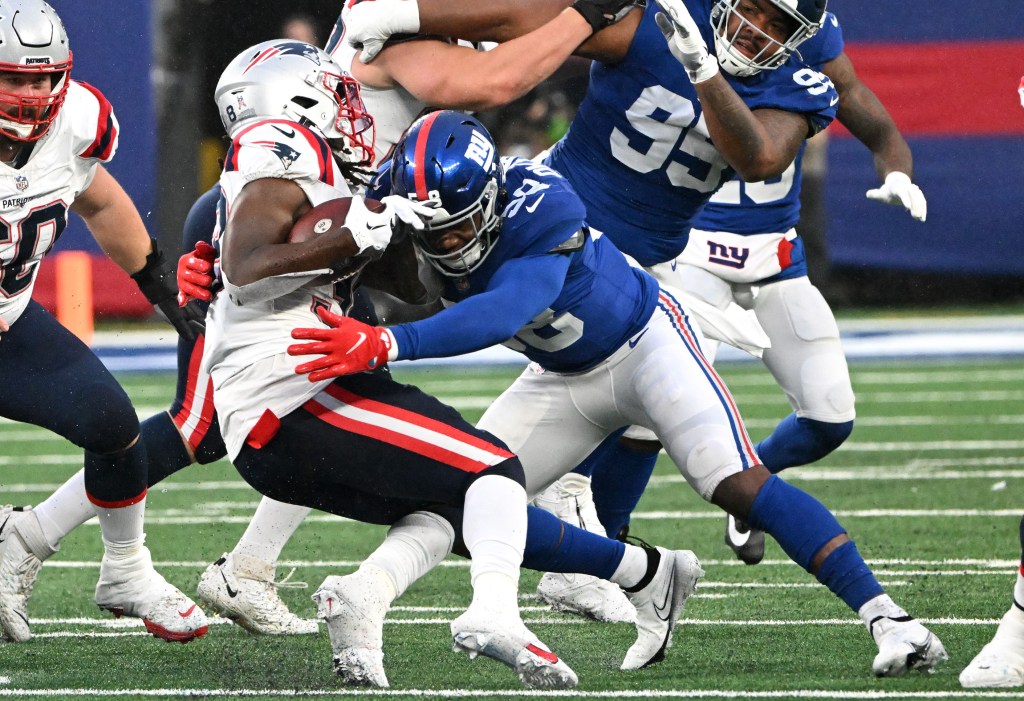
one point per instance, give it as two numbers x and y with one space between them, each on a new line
801 441
847 576
552 545
802 526
620 479
165 447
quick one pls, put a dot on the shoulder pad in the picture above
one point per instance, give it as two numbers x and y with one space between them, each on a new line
92 121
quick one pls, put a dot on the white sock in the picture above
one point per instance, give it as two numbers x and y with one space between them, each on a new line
65 510
494 529
1018 588
414 546
122 526
881 605
269 530
632 568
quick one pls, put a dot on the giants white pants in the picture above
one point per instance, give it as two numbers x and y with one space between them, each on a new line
659 379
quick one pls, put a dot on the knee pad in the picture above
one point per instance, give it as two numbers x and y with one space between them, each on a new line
105 420
708 463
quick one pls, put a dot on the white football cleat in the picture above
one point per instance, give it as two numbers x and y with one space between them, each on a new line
746 542
243 589
586 595
506 638
1000 664
904 644
23 548
129 586
659 605
354 612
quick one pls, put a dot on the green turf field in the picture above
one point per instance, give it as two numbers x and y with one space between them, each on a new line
929 485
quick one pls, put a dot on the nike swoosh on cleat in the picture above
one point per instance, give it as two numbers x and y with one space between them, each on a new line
187 612
665 605
231 592
633 342
737 538
543 654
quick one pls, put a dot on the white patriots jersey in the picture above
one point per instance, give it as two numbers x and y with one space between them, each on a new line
246 345
34 199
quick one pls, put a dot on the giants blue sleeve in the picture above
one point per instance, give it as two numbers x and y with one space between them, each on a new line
517 293
824 46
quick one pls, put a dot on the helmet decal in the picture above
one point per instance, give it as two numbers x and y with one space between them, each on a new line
288 48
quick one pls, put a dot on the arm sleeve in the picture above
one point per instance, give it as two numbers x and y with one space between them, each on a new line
519 291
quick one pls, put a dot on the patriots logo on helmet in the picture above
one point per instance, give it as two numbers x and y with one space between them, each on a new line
285 48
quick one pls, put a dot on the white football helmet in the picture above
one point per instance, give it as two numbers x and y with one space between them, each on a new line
807 16
298 81
32 42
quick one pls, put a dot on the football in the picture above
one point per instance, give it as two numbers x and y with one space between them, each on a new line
326 216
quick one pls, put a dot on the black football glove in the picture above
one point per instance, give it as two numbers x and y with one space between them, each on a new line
157 282
603 13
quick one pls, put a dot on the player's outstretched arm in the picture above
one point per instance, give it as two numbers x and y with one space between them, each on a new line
865 116
458 77
117 227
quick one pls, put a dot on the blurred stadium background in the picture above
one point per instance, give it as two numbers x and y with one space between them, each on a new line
947 73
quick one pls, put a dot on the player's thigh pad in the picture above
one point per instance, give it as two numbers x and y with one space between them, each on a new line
673 389
541 421
806 357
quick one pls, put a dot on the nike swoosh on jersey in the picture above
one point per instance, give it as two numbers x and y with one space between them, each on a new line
290 133
634 341
532 207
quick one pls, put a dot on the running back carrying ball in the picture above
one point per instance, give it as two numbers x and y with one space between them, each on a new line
325 217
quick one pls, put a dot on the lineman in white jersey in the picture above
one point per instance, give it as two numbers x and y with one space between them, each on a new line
55 134
412 73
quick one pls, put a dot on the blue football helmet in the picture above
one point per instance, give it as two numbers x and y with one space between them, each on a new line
806 16
449 160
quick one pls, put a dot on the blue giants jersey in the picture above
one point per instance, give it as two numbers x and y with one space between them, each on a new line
645 112
771 206
596 302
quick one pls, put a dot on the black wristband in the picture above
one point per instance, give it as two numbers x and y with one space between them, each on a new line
603 13
156 280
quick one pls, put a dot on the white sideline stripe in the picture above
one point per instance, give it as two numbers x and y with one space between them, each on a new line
996 566
515 693
39 435
470 402
541 620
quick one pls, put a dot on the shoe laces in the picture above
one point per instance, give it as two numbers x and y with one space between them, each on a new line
284 583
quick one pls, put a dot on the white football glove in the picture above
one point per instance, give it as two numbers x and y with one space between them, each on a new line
369 24
408 212
898 190
685 42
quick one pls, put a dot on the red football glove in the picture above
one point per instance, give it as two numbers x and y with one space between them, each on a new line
195 278
348 348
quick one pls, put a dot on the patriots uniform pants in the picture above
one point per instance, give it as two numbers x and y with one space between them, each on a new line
659 379
53 380
374 450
